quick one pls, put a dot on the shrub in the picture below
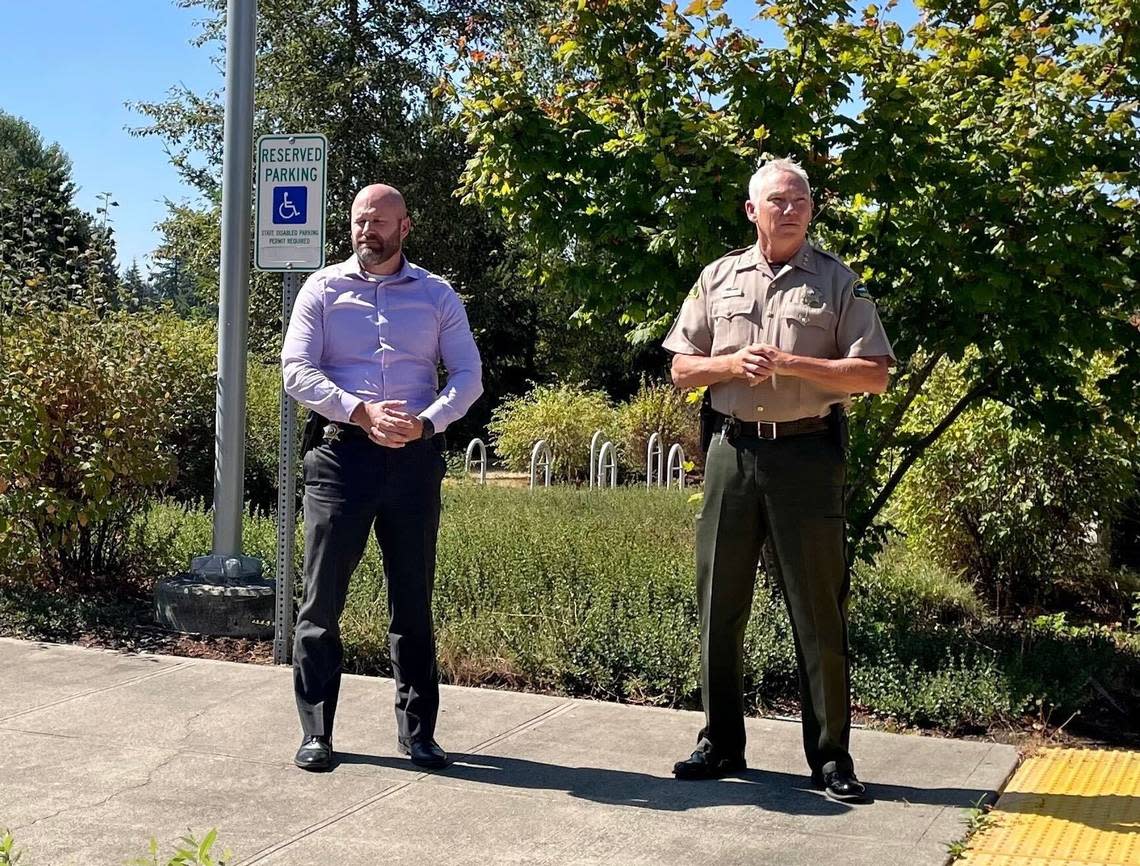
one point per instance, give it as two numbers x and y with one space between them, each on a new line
82 410
191 350
657 408
263 433
1014 507
565 415
901 586
9 854
189 852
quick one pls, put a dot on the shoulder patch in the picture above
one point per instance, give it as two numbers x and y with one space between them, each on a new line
695 291
860 291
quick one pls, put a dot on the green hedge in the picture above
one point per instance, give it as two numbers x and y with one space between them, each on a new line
591 593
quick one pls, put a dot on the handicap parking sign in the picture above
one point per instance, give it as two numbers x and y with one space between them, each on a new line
291 175
289 204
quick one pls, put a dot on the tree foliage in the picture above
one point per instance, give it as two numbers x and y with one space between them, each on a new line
979 170
362 73
51 252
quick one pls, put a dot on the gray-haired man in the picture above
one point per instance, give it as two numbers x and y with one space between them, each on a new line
782 334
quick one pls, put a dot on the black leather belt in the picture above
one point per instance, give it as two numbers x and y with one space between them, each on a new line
772 429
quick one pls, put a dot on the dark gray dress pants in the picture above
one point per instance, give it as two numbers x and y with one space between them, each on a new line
788 491
353 487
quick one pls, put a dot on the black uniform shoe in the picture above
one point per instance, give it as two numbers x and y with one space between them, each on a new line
840 786
315 754
424 752
708 765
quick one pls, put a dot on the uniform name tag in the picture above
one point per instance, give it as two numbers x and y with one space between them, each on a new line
733 292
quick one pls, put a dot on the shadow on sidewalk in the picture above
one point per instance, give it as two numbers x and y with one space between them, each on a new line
771 791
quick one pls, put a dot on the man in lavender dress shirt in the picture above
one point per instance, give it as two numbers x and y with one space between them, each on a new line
362 352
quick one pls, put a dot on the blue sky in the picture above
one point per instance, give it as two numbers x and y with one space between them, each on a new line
70 66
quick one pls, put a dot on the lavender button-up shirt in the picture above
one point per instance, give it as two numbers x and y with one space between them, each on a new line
356 337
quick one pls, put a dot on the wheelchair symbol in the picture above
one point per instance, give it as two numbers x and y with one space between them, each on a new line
290 204
287 210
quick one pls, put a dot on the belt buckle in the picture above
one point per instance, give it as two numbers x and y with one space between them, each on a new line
770 426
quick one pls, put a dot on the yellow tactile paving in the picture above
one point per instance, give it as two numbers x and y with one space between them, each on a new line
1065 807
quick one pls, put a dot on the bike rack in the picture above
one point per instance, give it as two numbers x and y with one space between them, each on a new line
541 449
655 447
676 469
609 465
476 444
594 457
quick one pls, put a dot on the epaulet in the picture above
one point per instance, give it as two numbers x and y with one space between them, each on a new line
731 254
857 288
829 255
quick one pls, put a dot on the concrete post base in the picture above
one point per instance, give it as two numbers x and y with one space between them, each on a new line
224 596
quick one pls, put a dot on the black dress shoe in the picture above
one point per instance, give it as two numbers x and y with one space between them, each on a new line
841 786
708 765
424 752
315 754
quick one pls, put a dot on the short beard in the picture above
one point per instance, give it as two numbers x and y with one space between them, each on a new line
380 250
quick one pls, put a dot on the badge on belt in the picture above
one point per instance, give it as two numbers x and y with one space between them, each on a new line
332 433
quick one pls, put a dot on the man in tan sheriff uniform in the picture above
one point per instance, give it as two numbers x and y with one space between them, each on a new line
783 334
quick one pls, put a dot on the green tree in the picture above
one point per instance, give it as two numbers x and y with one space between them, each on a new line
136 291
173 281
363 74
979 171
50 251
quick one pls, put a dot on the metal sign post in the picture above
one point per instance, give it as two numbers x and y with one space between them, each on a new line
290 238
286 499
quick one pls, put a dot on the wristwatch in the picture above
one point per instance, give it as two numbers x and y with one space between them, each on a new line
428 429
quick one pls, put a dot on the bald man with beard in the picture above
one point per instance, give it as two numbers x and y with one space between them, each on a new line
362 351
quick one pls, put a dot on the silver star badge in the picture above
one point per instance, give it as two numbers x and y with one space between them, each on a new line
332 433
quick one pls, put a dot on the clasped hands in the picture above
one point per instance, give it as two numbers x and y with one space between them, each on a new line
387 424
758 362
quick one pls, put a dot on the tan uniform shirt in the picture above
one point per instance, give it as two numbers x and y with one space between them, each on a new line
810 307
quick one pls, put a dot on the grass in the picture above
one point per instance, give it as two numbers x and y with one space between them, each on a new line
591 594
978 819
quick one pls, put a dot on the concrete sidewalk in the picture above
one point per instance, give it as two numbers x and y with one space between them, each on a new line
99 751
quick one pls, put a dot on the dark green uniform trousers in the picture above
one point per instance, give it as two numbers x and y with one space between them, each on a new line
788 491
354 488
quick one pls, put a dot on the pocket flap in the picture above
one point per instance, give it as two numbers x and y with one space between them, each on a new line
816 317
726 308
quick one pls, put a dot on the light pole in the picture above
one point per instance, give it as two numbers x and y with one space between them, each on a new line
223 593
233 304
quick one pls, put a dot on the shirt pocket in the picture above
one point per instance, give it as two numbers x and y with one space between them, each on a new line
736 324
809 331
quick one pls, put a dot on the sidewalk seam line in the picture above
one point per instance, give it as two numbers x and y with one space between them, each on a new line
128 682
545 715
327 822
